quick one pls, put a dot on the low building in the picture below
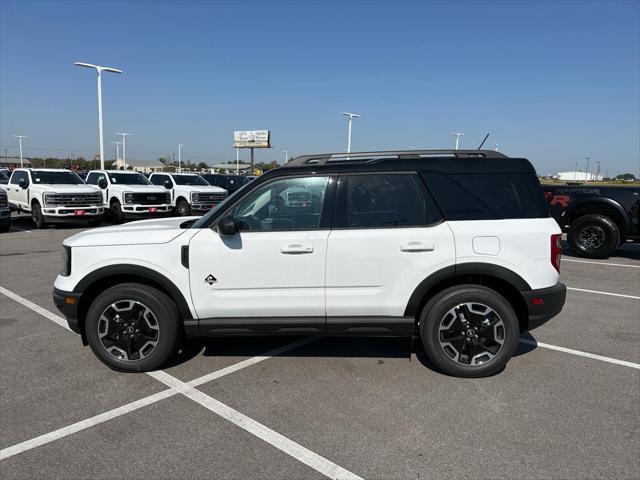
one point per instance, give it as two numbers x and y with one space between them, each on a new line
578 176
142 166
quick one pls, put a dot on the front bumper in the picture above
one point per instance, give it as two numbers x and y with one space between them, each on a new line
140 210
67 303
202 207
77 213
544 304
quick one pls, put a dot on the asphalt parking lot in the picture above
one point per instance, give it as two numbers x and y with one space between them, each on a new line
567 406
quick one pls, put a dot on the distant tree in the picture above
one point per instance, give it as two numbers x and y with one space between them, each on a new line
202 166
628 177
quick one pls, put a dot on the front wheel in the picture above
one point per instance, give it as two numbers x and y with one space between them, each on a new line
469 331
593 236
183 209
132 327
37 216
116 212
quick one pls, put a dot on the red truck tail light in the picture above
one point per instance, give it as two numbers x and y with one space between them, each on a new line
556 250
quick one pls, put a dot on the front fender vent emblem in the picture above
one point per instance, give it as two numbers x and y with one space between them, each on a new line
211 279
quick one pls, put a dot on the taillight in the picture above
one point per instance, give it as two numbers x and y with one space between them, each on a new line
548 196
556 250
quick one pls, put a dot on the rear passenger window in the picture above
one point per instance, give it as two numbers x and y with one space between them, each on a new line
158 179
488 196
383 201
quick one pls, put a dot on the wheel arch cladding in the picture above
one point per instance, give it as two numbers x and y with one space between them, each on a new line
502 280
99 280
600 206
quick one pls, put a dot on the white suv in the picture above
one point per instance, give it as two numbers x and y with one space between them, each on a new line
190 193
456 247
53 196
130 194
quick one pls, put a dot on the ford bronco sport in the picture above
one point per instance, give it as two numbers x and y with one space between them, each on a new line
456 247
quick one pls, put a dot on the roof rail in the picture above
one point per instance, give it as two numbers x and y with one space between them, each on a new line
325 158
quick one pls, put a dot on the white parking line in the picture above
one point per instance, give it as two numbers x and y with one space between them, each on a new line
36 308
603 293
297 451
571 260
615 361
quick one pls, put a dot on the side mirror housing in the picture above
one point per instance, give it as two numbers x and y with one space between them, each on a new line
22 183
226 226
102 183
167 185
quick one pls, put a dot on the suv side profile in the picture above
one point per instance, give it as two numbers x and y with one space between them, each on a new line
456 247
189 192
129 194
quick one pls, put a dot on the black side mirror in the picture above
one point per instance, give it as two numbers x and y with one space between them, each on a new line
226 226
168 185
22 183
102 183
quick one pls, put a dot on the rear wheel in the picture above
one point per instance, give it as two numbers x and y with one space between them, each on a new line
183 209
469 331
593 236
37 216
132 327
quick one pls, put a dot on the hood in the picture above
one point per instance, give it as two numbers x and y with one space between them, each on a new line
201 188
138 188
143 232
66 188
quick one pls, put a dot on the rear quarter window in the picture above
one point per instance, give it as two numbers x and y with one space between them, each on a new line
487 196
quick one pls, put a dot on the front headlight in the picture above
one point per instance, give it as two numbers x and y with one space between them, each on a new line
66 261
128 197
48 201
194 197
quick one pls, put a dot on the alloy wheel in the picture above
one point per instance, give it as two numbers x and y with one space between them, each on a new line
592 237
471 333
128 330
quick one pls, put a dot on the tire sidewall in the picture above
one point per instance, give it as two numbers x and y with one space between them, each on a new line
182 209
160 305
36 216
437 308
612 236
116 211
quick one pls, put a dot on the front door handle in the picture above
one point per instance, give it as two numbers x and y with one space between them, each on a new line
417 247
296 249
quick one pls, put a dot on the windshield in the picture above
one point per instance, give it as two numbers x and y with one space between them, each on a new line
189 180
128 179
231 198
56 178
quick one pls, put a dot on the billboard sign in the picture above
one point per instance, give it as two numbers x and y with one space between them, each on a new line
252 139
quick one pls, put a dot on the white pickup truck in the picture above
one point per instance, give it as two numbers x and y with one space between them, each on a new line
189 192
54 195
130 194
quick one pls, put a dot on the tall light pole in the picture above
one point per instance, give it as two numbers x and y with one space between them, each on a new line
351 116
117 149
286 155
586 172
237 161
99 69
20 137
598 170
458 135
180 158
124 148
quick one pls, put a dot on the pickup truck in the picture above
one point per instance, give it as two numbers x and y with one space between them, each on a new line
54 195
189 192
130 194
597 219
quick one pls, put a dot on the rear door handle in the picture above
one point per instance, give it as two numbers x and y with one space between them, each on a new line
417 247
296 249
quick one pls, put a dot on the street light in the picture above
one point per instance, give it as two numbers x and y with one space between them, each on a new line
124 148
20 137
586 172
286 155
117 149
351 116
458 135
180 157
99 69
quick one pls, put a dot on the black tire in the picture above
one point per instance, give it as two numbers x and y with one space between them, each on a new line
470 342
164 320
593 236
183 209
115 210
37 216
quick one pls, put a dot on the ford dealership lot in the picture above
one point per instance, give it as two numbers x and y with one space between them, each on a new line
568 404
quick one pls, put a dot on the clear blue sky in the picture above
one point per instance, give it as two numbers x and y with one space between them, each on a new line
554 82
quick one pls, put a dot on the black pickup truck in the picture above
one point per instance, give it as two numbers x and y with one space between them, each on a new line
597 219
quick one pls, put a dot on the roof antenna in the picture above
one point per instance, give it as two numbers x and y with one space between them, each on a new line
485 139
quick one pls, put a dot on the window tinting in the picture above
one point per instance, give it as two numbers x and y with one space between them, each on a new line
382 201
128 179
487 196
189 180
159 179
55 178
287 204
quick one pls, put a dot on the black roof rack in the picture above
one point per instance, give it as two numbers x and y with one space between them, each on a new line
370 157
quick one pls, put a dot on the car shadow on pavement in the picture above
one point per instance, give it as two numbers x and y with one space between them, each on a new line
630 251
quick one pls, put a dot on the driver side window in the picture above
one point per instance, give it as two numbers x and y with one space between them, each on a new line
285 204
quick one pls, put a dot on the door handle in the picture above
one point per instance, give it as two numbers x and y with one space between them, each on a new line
417 247
296 249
